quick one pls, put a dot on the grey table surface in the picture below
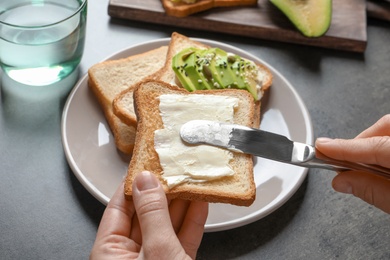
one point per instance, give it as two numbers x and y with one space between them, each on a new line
45 213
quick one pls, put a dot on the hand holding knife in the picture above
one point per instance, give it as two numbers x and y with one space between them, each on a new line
268 145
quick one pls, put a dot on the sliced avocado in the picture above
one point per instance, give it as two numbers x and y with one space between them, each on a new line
189 71
178 63
228 70
214 68
194 71
246 72
311 17
251 86
240 68
218 70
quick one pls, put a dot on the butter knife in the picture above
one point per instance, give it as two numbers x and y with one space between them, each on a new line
267 145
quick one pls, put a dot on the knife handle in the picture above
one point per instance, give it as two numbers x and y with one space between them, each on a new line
319 160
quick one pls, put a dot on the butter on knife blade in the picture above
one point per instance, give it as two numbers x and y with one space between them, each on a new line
239 139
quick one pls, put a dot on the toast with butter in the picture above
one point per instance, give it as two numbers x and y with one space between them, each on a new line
109 78
183 8
226 177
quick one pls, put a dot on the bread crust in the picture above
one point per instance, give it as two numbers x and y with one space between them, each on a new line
184 9
238 189
108 79
178 42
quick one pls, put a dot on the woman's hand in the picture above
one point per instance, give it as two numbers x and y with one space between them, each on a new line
148 227
372 146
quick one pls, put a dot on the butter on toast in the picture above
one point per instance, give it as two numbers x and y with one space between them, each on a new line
109 78
238 189
182 9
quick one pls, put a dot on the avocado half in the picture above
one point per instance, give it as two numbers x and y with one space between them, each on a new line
311 17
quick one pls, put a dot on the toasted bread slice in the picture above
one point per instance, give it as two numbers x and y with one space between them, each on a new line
238 189
179 42
109 78
182 9
227 3
123 103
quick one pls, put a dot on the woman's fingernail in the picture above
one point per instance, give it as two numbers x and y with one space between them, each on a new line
146 181
342 186
323 140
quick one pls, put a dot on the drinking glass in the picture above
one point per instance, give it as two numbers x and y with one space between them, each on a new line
41 41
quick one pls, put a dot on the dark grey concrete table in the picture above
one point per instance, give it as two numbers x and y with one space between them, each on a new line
45 213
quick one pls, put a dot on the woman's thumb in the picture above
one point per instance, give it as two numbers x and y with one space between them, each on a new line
151 205
366 186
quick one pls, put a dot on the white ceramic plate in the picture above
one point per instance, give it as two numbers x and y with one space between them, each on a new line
91 153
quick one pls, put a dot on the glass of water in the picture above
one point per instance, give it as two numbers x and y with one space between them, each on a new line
41 41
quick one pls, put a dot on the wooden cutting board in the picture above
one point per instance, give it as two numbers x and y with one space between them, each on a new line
348 30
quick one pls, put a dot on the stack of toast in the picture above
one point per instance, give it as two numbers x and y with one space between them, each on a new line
128 91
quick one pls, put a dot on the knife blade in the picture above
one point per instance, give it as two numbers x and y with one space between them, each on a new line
243 139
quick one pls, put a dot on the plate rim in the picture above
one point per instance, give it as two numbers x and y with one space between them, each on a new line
226 225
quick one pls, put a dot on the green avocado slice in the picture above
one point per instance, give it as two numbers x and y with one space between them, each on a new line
219 69
188 70
178 64
246 72
214 68
311 17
